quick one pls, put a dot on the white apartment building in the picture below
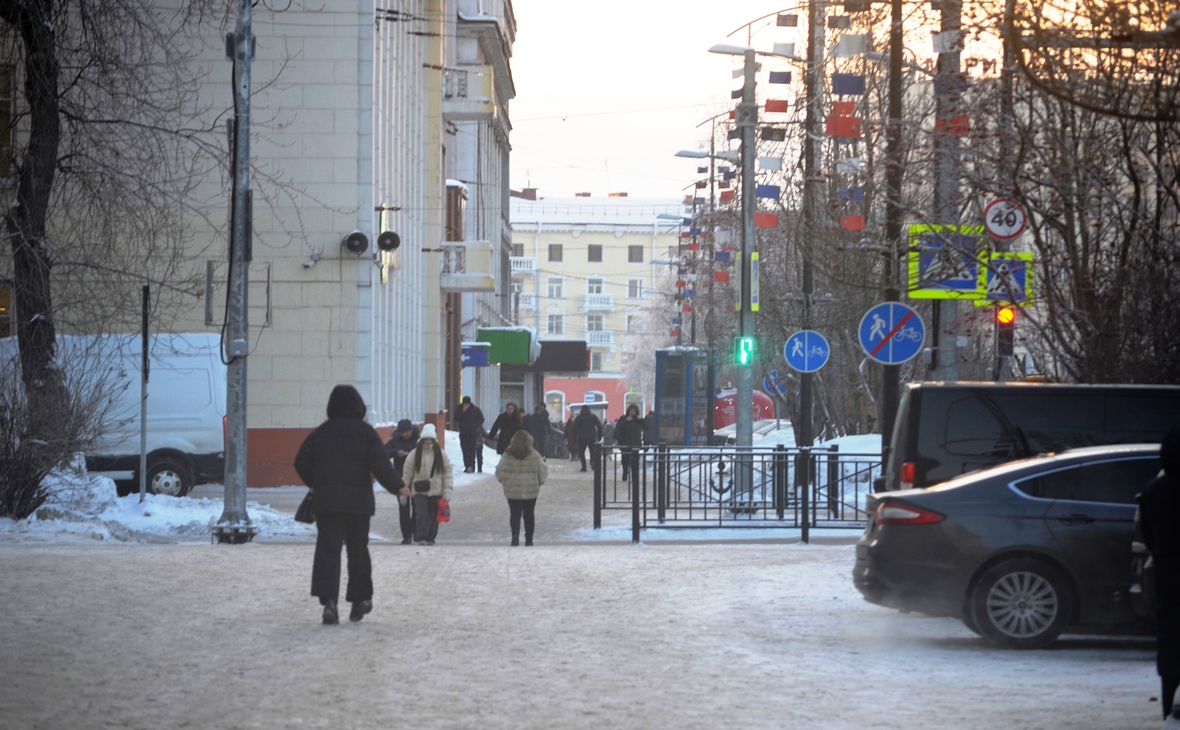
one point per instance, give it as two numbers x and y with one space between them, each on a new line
587 268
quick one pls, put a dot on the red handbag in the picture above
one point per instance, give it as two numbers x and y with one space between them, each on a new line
444 510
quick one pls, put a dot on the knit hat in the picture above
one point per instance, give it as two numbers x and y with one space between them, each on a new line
428 432
405 425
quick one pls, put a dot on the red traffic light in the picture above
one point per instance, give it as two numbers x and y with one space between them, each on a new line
1005 315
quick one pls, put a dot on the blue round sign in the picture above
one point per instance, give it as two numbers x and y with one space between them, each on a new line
775 382
891 333
807 351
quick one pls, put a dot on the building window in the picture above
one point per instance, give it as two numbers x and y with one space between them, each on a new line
594 323
635 254
635 288
556 324
594 253
555 252
633 323
596 360
555 400
518 249
595 286
556 287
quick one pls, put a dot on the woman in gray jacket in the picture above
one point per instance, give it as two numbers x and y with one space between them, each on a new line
521 471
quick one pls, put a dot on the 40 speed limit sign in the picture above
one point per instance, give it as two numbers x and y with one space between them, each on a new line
1004 219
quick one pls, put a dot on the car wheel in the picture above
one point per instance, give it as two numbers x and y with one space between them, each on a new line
169 477
1021 604
969 620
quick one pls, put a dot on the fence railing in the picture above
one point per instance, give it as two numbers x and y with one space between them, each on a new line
802 488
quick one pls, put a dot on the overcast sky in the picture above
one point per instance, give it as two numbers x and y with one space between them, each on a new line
607 92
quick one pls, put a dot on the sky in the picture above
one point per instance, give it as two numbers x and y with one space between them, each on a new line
607 92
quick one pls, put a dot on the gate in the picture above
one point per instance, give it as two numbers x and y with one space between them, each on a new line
727 486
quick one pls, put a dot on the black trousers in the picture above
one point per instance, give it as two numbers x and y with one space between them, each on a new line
1168 686
594 449
518 508
425 518
472 447
405 519
629 455
333 531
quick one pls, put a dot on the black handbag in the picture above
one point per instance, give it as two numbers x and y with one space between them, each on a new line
305 512
422 485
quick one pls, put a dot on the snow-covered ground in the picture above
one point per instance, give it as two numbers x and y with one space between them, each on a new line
691 629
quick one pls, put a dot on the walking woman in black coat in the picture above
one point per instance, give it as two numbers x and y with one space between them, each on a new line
338 461
506 426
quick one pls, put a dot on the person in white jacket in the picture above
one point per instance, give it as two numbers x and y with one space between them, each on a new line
521 471
427 473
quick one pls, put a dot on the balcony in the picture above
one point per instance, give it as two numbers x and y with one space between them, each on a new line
527 301
600 338
523 264
467 266
598 303
467 94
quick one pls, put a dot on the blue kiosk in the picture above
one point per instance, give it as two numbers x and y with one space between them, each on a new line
685 400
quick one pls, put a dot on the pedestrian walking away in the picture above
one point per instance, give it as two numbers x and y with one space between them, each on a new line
571 437
398 447
1158 520
631 435
428 474
468 421
589 431
505 427
521 472
338 461
537 424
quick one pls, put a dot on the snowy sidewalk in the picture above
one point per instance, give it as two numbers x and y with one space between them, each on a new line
581 631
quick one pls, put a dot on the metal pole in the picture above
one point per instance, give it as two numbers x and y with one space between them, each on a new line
747 121
813 90
234 524
891 386
945 364
145 367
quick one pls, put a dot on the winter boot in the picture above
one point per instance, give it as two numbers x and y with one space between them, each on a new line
330 616
359 609
515 540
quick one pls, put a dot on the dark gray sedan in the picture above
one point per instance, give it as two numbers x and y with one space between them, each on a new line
1019 552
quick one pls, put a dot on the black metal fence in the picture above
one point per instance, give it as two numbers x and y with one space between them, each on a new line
802 488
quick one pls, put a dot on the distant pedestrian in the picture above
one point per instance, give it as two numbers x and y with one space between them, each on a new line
427 472
505 427
338 461
468 421
589 430
399 446
537 424
1159 524
630 435
571 437
521 471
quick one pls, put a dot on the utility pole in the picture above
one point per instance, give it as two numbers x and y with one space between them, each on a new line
813 97
234 524
747 122
948 103
891 385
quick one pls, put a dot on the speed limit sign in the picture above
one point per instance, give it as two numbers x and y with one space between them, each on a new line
1004 219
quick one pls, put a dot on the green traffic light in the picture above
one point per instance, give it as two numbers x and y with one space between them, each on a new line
743 350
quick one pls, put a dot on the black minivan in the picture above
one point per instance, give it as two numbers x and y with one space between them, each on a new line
947 429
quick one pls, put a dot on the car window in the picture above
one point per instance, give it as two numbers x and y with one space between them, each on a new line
1115 482
974 429
1141 418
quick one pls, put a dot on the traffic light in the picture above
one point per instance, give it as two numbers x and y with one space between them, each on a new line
1005 331
743 350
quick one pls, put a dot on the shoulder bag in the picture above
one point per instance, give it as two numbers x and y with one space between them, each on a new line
305 512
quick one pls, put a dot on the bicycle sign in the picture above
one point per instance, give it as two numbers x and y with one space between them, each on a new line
774 382
806 351
1004 219
891 333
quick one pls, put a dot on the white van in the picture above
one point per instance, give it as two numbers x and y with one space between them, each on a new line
185 406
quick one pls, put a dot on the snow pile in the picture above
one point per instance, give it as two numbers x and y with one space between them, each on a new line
83 506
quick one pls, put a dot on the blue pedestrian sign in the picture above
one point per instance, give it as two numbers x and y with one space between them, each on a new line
806 351
774 382
891 333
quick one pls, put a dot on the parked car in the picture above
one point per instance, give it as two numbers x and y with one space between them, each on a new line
1020 552
943 430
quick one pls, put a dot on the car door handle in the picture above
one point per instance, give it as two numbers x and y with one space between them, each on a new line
1075 519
